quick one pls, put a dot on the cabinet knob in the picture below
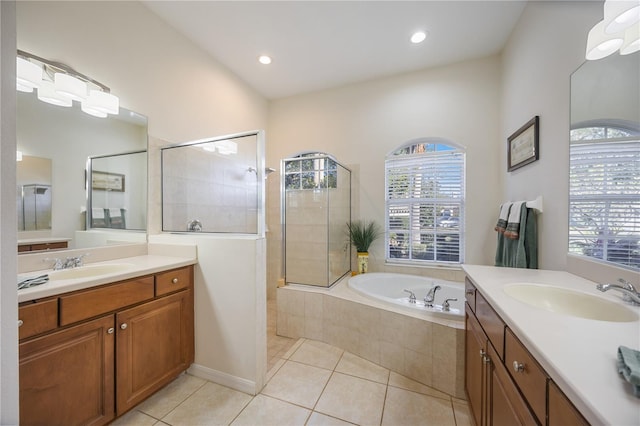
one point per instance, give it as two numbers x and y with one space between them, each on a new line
469 292
111 330
20 323
482 353
123 326
175 281
518 367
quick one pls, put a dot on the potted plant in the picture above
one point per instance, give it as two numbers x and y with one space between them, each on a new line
361 235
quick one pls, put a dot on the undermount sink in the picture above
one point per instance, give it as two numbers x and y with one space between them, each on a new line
89 271
569 302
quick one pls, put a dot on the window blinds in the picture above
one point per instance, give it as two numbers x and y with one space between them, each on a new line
425 207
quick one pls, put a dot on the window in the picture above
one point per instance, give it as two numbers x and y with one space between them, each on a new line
310 171
604 194
425 203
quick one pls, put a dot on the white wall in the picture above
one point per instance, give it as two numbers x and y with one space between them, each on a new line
360 124
547 45
8 231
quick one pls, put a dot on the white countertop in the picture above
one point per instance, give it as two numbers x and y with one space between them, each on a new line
578 354
136 266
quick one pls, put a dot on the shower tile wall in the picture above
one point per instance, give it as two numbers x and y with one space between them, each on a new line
218 190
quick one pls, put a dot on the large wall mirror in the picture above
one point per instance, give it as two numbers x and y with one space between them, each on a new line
69 140
604 170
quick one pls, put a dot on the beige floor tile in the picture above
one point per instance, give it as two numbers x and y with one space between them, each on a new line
462 413
135 418
297 383
403 407
274 369
169 397
318 419
212 404
293 348
352 399
360 367
263 410
403 382
318 354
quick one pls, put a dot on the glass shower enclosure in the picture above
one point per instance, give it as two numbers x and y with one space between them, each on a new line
316 207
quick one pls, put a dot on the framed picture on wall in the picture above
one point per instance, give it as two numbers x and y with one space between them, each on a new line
107 181
523 146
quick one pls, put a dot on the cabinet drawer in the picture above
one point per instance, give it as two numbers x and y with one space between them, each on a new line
36 318
491 323
177 279
527 373
49 246
470 294
90 303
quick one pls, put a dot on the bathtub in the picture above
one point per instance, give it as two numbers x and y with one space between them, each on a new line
423 344
391 288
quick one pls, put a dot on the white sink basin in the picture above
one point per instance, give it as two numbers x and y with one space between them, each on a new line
569 302
89 271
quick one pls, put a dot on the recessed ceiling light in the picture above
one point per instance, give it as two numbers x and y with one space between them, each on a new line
418 37
264 60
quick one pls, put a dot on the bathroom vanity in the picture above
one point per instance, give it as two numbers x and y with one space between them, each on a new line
92 348
528 365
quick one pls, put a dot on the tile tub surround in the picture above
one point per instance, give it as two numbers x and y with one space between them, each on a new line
420 346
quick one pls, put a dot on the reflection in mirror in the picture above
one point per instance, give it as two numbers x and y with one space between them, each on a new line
116 184
67 137
604 172
33 176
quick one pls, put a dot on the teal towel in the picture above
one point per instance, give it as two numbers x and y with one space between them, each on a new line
523 251
629 367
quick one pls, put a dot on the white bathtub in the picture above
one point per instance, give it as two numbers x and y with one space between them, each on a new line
390 288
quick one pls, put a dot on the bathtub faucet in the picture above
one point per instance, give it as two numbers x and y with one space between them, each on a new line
431 296
412 296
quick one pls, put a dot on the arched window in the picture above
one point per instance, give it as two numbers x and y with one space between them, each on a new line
424 183
604 192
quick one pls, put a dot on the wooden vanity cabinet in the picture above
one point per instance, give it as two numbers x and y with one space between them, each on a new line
504 383
493 397
67 377
154 344
90 369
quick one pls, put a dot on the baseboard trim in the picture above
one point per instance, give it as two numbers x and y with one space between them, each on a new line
225 379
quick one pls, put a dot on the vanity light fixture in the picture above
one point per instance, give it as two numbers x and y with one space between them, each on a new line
418 37
600 44
18 155
264 60
620 15
618 30
59 84
631 42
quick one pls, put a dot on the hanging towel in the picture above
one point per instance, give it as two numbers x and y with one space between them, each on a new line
629 367
502 218
523 251
513 223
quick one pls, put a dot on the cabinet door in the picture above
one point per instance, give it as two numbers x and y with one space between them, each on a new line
561 410
67 377
475 354
154 344
505 404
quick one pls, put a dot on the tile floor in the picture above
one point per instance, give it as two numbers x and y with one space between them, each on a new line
310 383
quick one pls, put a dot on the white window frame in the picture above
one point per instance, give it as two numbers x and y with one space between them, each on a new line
438 233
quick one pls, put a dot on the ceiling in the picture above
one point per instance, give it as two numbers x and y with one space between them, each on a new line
317 45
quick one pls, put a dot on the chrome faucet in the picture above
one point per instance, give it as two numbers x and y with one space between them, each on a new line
194 225
629 292
68 263
412 296
445 304
431 296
